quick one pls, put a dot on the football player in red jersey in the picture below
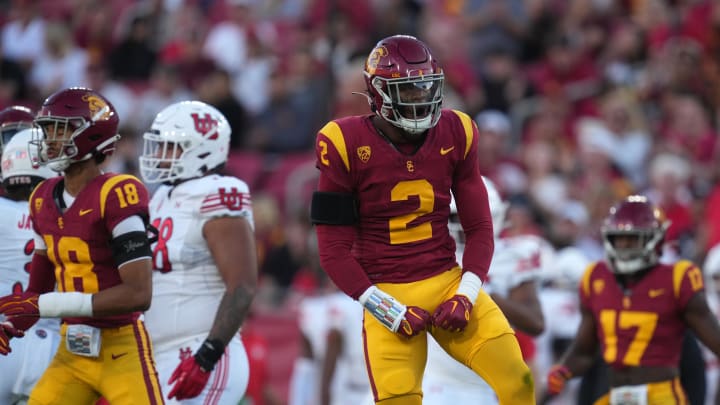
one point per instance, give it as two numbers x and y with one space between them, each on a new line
91 265
637 310
382 209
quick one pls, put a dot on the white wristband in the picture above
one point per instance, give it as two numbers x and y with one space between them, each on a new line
470 285
384 307
65 304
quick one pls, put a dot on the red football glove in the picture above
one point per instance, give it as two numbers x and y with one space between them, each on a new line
191 379
7 331
23 304
556 378
453 315
415 321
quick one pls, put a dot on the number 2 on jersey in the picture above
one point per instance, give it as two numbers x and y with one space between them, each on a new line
400 231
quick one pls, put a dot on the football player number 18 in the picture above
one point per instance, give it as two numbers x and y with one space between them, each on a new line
73 256
400 229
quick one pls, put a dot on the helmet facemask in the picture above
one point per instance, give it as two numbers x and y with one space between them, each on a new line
56 148
411 103
630 251
58 139
162 159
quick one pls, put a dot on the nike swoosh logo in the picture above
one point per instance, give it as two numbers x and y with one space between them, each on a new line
656 293
83 212
412 312
444 151
117 356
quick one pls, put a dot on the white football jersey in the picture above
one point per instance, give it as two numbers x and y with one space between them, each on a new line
16 245
516 260
313 322
350 383
187 286
30 355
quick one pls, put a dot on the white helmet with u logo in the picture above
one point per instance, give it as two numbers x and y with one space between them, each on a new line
186 140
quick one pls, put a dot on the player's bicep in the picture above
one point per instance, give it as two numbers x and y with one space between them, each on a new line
526 294
232 244
583 348
130 241
702 321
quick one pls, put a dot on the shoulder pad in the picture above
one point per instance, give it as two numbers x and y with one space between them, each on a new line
470 129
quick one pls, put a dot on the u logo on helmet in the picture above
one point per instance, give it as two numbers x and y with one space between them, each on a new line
205 124
374 59
95 104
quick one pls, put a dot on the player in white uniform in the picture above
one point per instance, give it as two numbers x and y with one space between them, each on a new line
344 378
561 307
313 322
29 357
204 259
515 267
712 286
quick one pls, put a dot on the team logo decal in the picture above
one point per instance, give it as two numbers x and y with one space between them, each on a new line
232 199
185 353
205 124
374 59
410 166
598 286
38 204
95 105
364 153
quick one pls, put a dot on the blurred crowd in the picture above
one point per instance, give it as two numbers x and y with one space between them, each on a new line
579 102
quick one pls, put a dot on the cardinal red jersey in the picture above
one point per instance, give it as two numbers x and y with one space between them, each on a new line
642 325
78 240
403 199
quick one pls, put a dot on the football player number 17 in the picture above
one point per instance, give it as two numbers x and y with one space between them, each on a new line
400 229
611 320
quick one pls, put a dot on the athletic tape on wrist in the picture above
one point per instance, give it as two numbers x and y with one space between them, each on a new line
65 304
470 285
